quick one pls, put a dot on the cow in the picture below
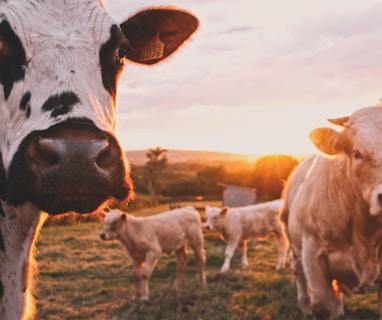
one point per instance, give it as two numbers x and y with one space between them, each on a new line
238 225
332 214
145 239
59 67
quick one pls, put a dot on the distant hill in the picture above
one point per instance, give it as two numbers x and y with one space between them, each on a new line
138 157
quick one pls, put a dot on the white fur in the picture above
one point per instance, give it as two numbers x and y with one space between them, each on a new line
48 32
238 225
147 238
19 237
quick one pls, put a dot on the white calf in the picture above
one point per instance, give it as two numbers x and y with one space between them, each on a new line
146 238
238 225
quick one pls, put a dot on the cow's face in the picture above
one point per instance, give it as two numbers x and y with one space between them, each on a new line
59 67
113 222
361 143
215 218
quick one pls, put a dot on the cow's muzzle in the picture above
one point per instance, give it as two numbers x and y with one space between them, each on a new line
72 166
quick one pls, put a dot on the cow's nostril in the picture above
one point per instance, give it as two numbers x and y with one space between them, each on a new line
379 197
47 152
102 236
105 157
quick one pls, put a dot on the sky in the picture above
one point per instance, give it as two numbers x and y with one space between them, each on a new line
256 77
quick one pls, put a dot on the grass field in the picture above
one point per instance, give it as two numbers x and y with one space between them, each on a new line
81 277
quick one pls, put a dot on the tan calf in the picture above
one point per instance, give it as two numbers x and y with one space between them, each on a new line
238 225
146 238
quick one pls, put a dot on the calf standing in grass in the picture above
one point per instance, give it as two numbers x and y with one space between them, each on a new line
238 225
146 238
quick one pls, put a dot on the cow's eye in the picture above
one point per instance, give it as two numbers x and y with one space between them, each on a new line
121 54
357 155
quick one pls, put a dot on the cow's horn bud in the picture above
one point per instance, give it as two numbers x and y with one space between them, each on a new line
339 121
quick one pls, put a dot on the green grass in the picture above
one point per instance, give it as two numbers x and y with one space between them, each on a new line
81 277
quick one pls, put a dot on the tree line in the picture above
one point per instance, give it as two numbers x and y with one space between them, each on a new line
158 177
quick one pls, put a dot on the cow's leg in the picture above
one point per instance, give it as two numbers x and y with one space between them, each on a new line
283 250
229 251
138 279
303 297
200 256
181 264
325 303
243 252
148 267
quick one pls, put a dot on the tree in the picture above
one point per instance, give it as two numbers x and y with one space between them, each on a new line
208 179
153 170
185 186
270 175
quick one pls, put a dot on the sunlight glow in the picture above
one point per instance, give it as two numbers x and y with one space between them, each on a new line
254 81
252 131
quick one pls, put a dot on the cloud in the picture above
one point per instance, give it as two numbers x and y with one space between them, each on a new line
250 65
340 25
237 29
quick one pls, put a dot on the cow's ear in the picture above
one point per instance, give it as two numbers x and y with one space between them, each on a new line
156 33
224 211
328 140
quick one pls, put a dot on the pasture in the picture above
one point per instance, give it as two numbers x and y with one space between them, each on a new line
81 277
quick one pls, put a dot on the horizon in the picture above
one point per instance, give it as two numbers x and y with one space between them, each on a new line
216 155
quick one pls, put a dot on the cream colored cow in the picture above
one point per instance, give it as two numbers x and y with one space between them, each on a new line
146 238
332 214
238 225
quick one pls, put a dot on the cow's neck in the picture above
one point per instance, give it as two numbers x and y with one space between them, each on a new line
18 230
131 228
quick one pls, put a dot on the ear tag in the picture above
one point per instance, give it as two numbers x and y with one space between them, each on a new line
153 50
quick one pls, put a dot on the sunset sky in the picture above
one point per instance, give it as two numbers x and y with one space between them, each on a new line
256 78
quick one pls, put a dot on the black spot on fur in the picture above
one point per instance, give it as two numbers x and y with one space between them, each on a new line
25 104
2 247
1 290
110 65
2 182
12 58
2 213
60 104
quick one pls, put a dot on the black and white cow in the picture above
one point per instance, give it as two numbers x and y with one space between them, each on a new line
59 66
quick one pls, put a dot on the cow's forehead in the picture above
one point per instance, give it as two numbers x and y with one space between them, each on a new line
366 128
72 21
212 211
370 115
111 216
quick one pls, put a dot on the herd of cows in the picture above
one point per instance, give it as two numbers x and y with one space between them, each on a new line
59 67
147 238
